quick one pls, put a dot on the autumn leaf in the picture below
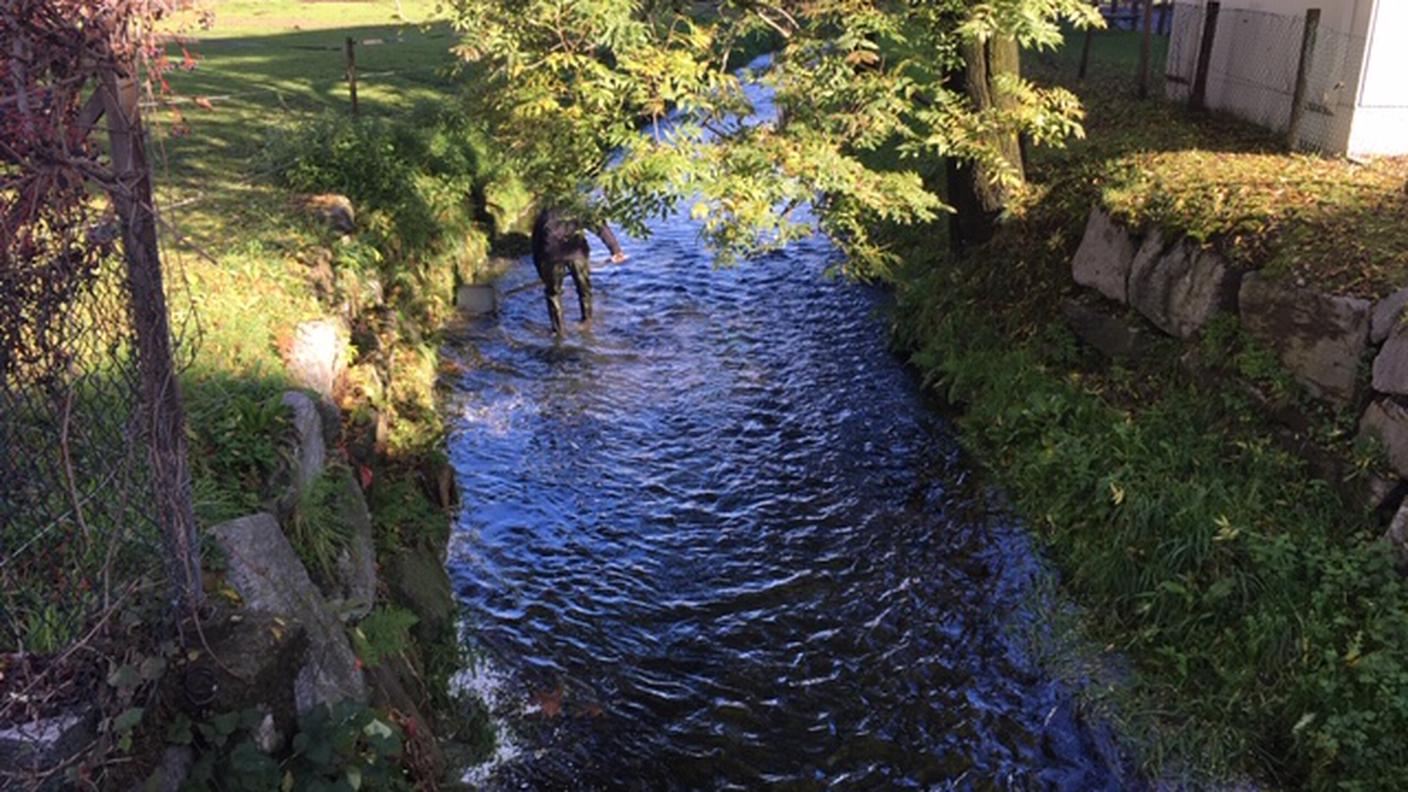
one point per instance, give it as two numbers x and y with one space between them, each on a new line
548 702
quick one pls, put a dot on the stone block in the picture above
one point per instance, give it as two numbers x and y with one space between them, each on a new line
1391 364
1388 313
1387 420
44 743
1319 338
270 579
1103 260
330 208
253 659
1180 287
317 356
1397 538
416 579
356 565
311 453
1110 335
477 300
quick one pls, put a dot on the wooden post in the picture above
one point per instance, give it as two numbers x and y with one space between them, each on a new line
351 47
1144 49
165 419
1197 100
1307 56
1085 53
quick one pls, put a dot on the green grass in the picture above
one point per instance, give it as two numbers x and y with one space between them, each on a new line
238 253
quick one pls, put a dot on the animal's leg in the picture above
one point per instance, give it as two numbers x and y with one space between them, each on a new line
582 279
552 282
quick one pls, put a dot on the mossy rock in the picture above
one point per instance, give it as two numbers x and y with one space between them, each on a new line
417 581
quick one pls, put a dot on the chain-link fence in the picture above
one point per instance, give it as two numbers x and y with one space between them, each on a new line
95 525
1252 68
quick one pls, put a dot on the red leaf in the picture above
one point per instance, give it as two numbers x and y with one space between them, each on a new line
549 702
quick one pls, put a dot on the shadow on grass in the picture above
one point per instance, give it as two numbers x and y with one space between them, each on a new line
254 83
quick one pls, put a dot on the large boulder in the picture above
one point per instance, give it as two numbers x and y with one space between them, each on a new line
1319 338
1180 287
417 581
1387 421
1391 364
1103 260
356 564
1397 538
1112 336
1388 313
311 454
317 355
270 579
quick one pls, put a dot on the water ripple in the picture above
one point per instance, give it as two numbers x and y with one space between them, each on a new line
720 530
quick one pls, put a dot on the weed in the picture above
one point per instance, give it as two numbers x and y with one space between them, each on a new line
385 632
315 530
342 746
237 432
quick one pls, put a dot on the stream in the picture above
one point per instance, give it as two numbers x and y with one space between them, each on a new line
718 539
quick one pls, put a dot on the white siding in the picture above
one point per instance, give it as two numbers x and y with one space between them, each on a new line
1255 55
1381 120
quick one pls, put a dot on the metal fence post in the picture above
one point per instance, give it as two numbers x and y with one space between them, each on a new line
1197 100
1307 56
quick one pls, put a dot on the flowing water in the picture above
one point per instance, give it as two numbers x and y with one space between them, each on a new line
718 540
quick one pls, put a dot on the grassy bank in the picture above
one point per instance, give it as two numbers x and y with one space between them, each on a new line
1265 628
259 119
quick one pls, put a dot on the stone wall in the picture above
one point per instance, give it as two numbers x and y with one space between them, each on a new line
1347 352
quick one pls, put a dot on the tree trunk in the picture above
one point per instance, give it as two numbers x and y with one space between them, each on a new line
973 190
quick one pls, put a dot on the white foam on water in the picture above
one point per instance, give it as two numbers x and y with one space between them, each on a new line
486 682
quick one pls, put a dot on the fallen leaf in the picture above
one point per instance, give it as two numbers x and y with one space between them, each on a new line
548 702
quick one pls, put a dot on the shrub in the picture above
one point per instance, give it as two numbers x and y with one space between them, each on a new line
416 182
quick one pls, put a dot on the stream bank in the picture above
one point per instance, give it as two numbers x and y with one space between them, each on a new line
1209 510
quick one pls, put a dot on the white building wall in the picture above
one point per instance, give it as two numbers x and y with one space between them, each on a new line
1381 118
1255 56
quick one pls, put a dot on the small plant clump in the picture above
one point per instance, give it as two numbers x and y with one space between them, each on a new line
339 748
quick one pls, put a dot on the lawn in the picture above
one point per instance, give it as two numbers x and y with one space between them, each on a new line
238 255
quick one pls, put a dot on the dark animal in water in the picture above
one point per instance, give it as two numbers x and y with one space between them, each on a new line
560 248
